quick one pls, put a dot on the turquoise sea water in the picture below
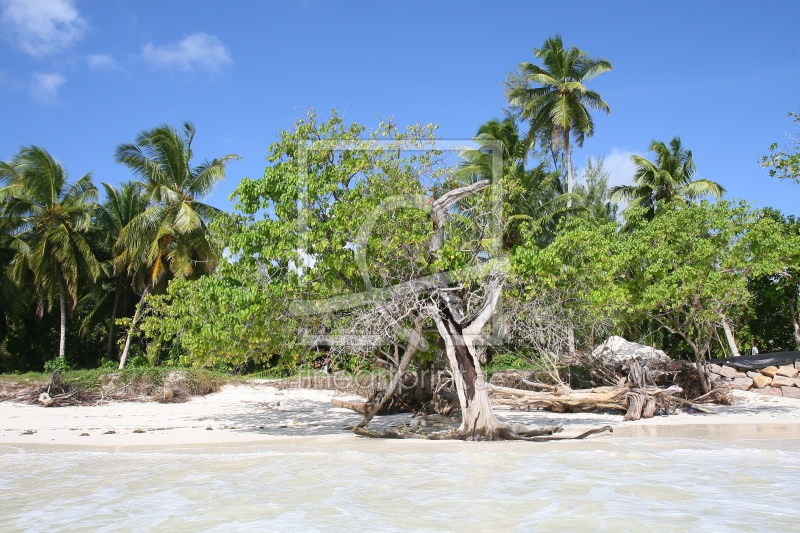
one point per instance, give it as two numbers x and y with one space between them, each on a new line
634 484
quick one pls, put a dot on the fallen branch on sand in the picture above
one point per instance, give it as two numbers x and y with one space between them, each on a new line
359 407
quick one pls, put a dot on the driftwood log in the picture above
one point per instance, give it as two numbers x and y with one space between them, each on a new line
359 407
637 402
562 400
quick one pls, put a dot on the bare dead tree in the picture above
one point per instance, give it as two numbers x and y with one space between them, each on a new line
541 322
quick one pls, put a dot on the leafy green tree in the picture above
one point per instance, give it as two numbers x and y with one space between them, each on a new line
222 319
341 188
555 96
170 238
773 320
685 270
46 217
365 236
668 180
689 267
784 164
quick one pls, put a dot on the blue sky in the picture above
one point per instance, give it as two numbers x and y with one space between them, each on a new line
79 77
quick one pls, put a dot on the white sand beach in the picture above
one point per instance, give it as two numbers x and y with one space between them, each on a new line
258 413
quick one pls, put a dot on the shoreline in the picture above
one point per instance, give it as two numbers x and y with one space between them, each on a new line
257 414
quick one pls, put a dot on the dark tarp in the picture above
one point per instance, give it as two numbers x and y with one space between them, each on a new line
757 362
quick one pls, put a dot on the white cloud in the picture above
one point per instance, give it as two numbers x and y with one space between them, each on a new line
620 167
44 88
101 61
42 27
196 51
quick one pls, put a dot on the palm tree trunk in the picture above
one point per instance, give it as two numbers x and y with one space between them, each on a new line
63 305
114 310
124 357
568 151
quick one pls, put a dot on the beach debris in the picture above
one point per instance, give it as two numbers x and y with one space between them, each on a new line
138 431
563 400
46 400
28 432
60 392
637 395
721 396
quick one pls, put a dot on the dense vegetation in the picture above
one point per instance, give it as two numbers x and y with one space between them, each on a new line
149 275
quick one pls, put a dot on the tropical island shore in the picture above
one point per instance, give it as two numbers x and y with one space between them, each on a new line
257 412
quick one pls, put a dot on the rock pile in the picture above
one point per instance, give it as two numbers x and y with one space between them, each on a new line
773 380
616 351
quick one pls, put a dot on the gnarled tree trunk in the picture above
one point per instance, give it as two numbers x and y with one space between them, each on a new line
477 417
700 360
460 333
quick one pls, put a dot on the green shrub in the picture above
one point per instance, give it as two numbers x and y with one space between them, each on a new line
56 365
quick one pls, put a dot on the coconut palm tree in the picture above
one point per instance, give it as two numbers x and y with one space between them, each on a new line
170 238
122 205
533 196
45 218
559 100
668 179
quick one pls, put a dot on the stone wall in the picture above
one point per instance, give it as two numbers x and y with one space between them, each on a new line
773 380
